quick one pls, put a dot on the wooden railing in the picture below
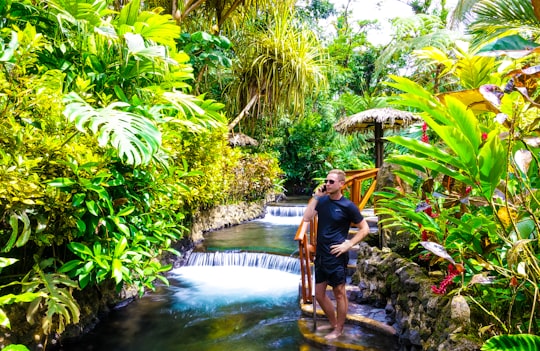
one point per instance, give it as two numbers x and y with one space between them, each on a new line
306 234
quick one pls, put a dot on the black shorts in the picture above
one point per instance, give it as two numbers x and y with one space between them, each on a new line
334 275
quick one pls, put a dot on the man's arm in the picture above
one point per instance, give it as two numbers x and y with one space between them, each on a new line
363 231
310 211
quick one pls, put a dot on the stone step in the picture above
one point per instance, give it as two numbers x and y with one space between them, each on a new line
357 315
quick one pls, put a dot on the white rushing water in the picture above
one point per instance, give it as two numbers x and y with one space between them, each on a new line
208 287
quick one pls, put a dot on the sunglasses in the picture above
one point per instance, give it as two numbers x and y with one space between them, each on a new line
331 181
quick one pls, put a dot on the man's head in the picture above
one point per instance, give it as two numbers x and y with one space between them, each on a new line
334 181
339 173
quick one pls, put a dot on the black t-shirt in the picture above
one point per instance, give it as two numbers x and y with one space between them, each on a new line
334 220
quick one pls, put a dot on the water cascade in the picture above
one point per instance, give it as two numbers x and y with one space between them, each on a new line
245 259
238 291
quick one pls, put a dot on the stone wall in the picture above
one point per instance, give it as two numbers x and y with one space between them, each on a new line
224 216
422 319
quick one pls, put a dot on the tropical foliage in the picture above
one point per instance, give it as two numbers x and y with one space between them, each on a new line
104 154
113 133
473 192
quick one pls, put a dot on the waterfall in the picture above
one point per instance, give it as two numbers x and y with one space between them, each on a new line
285 211
246 259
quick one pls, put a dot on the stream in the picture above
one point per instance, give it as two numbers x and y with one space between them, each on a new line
239 291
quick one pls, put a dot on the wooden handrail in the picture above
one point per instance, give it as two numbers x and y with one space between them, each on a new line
306 234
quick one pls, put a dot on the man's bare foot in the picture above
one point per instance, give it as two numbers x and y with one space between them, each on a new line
334 335
324 327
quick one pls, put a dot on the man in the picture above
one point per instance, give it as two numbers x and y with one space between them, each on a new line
335 215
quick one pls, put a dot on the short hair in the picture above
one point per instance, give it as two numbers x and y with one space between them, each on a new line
341 175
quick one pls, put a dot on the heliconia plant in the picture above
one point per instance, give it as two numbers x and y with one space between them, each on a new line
476 173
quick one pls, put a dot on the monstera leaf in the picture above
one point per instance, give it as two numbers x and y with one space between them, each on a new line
517 342
135 137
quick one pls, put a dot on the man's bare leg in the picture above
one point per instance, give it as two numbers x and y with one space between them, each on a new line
325 303
342 304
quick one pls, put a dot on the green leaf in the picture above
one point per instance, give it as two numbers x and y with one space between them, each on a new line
92 207
69 266
201 37
465 122
516 342
61 182
411 87
420 163
126 211
224 42
25 234
120 247
78 199
428 150
135 137
14 223
492 164
80 249
81 226
97 249
513 45
128 14
4 321
25 297
5 261
117 270
15 347
84 279
525 228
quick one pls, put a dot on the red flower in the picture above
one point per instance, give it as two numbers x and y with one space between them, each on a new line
484 136
425 257
425 137
429 212
452 273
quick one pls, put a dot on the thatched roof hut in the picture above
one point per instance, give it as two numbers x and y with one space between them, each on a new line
387 117
240 139
377 119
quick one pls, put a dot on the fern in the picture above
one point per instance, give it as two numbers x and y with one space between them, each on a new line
55 296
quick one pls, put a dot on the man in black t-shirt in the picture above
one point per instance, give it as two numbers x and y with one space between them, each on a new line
335 215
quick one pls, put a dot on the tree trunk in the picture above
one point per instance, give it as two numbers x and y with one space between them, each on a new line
241 115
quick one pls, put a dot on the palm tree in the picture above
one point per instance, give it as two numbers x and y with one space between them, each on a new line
415 33
279 65
211 14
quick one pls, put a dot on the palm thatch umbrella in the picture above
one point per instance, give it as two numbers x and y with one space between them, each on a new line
377 119
240 139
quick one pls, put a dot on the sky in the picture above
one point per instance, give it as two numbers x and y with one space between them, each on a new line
382 10
375 9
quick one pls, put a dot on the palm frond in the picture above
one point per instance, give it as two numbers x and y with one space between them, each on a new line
499 18
354 103
462 13
415 33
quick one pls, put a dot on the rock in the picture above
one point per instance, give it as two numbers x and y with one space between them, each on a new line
460 310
